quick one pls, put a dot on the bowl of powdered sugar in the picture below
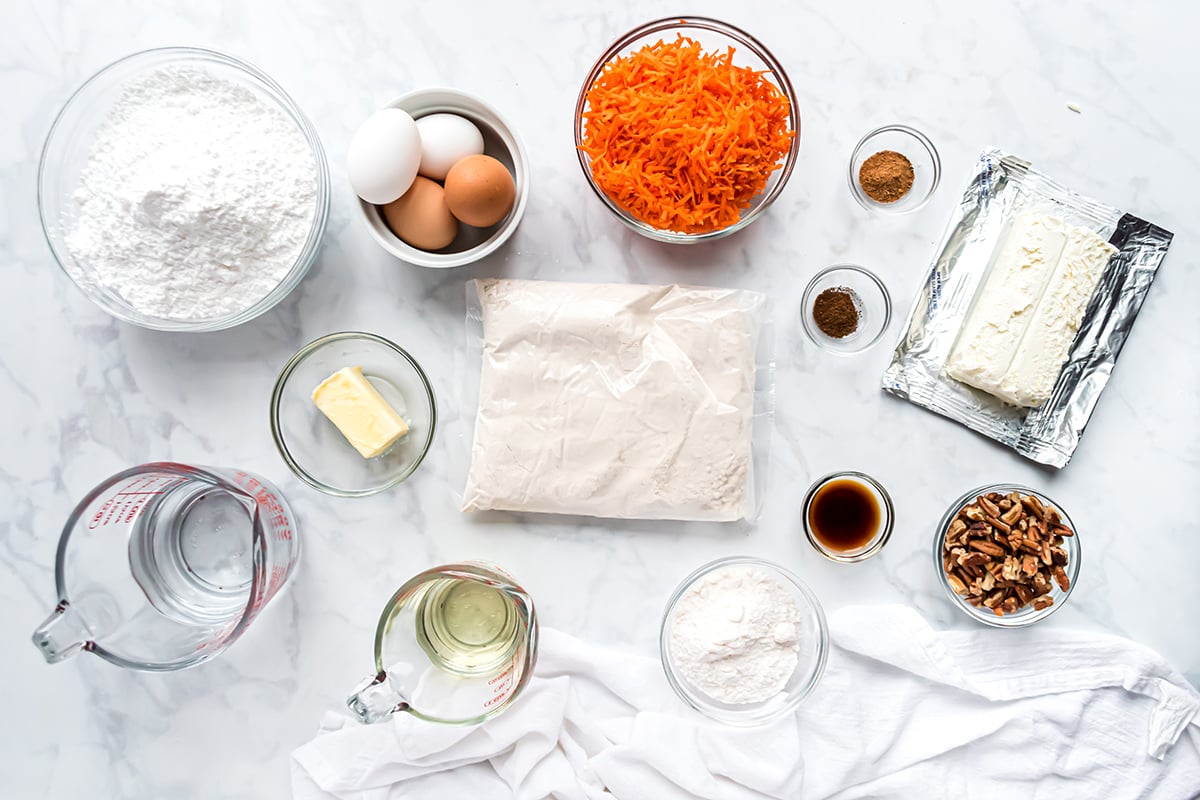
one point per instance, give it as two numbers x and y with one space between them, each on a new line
743 641
182 189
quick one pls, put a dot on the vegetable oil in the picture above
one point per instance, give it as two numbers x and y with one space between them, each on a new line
468 628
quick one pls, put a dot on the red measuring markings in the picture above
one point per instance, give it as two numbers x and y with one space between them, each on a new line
126 505
502 685
260 599
218 637
275 515
278 575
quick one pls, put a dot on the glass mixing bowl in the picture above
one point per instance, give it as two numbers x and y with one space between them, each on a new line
813 639
713 36
315 449
65 154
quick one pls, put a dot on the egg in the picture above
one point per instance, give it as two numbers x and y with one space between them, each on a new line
420 217
384 156
445 140
479 191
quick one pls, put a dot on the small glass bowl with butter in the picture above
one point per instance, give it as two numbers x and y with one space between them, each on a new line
352 414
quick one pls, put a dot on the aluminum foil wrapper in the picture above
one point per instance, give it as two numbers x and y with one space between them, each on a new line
1002 186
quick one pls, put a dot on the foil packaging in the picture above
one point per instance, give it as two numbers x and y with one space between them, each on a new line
1001 187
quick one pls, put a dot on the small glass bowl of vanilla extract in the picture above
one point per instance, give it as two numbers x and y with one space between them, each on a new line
848 516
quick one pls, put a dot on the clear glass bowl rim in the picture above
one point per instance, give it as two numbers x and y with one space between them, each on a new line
884 208
1074 555
812 285
277 395
741 37
316 232
888 509
823 642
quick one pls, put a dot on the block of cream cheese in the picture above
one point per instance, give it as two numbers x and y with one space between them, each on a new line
1019 331
359 411
1035 366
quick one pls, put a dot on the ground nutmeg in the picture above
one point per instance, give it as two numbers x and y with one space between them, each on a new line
836 312
886 176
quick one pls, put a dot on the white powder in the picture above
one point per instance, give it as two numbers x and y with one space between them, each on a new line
734 636
615 400
196 198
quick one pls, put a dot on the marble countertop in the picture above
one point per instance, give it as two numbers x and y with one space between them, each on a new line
85 396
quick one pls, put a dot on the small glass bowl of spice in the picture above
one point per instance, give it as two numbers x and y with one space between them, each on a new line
846 309
894 169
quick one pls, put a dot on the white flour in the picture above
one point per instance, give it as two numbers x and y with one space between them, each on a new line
615 400
197 196
734 636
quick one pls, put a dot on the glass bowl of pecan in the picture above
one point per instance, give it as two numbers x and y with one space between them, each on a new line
1007 555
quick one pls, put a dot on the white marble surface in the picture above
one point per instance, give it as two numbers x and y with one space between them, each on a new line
84 396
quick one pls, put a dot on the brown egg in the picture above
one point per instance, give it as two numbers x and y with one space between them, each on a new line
479 191
421 217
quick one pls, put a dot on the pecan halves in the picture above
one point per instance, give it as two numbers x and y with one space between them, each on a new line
990 508
991 548
1034 505
1060 577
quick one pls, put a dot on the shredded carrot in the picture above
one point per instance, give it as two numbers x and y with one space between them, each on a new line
682 139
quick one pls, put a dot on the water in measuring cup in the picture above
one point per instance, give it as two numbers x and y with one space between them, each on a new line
192 555
468 628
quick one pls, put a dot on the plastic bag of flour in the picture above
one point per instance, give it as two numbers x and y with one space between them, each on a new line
617 400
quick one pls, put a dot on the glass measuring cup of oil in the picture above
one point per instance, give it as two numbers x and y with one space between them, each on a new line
456 644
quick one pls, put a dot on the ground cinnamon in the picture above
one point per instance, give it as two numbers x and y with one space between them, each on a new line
886 176
836 313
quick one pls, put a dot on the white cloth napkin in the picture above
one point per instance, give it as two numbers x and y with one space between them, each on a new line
903 711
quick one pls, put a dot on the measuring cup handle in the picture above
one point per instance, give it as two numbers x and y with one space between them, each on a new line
62 635
376 700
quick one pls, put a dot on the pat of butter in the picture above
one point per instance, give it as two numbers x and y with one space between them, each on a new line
359 411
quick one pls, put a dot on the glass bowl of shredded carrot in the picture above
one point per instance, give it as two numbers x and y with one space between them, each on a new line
687 129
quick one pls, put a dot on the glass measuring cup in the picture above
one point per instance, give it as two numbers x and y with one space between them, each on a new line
456 644
164 565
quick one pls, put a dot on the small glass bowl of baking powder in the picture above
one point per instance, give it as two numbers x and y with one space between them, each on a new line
811 636
66 151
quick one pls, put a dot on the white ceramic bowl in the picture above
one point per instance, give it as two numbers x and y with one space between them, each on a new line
500 141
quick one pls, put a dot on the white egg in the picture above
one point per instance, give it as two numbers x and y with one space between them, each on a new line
446 139
384 156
